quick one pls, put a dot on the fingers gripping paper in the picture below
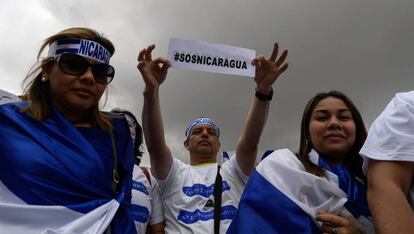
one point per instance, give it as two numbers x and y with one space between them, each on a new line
217 58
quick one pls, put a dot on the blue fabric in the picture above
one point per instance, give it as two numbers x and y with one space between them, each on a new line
265 209
356 192
51 163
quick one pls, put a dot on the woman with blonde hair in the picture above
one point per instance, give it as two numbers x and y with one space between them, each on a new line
66 166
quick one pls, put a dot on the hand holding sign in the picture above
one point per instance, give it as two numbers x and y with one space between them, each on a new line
268 70
154 72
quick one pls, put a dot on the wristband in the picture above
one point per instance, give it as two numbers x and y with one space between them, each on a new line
264 97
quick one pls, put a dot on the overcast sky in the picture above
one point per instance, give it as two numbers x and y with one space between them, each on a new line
361 47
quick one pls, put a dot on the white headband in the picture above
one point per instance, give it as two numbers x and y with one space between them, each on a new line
202 121
82 47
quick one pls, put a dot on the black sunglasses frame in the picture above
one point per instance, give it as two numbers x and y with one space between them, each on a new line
83 65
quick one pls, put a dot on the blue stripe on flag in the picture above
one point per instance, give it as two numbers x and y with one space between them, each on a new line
269 211
67 50
68 41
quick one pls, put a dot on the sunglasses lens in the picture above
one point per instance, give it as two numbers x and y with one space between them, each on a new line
72 64
103 73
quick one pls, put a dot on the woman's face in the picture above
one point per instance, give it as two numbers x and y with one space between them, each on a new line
74 93
332 128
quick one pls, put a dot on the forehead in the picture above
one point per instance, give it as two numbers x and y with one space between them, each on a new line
204 126
331 104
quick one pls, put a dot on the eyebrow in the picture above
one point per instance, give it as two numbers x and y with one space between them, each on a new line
326 111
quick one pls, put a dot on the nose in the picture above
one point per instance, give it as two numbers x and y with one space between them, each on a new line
204 133
334 122
87 77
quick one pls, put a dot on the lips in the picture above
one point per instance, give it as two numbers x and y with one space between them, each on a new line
335 135
204 142
84 91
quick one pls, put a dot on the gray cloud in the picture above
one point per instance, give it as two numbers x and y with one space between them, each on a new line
363 48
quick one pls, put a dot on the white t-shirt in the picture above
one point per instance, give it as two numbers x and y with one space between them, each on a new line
146 200
188 196
391 136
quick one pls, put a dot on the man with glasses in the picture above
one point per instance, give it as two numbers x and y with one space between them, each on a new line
202 197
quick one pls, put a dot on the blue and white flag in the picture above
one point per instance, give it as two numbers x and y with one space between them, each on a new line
6 97
281 197
226 155
52 180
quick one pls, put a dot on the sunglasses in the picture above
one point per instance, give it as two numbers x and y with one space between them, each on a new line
76 65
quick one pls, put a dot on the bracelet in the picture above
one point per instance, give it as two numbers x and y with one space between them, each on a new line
264 97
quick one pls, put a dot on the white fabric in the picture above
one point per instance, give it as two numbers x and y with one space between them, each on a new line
6 97
183 175
18 217
391 136
310 192
152 200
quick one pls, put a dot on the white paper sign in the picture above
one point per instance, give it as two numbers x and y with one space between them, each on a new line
6 97
217 58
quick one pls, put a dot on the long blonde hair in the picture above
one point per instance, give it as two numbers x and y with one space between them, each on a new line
37 93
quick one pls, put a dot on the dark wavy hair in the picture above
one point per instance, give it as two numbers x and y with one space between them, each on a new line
352 159
138 134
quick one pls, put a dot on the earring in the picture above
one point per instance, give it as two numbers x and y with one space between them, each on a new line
44 79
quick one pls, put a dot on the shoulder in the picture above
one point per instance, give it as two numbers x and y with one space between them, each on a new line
390 137
11 110
284 157
118 121
406 97
13 106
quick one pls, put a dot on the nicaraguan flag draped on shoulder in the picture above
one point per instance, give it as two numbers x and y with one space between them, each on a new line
281 197
6 97
53 181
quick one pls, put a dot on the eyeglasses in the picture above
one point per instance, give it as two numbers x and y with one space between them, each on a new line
76 65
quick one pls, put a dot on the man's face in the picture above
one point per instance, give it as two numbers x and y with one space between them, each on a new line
203 139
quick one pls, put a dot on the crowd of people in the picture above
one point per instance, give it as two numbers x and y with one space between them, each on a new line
68 167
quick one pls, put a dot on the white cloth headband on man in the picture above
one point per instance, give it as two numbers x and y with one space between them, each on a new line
82 47
202 121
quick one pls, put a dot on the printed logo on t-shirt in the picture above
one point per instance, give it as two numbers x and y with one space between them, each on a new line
139 187
203 190
190 217
140 213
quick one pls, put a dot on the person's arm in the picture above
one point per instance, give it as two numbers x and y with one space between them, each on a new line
388 186
157 228
154 73
267 72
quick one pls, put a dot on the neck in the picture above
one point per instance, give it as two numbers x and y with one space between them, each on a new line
77 118
196 159
333 160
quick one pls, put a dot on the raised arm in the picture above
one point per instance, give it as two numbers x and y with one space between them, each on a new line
154 73
267 72
388 186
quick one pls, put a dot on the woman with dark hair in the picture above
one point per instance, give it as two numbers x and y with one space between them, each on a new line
66 166
146 201
319 189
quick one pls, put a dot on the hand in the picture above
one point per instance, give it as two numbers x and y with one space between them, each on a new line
268 70
154 72
332 224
